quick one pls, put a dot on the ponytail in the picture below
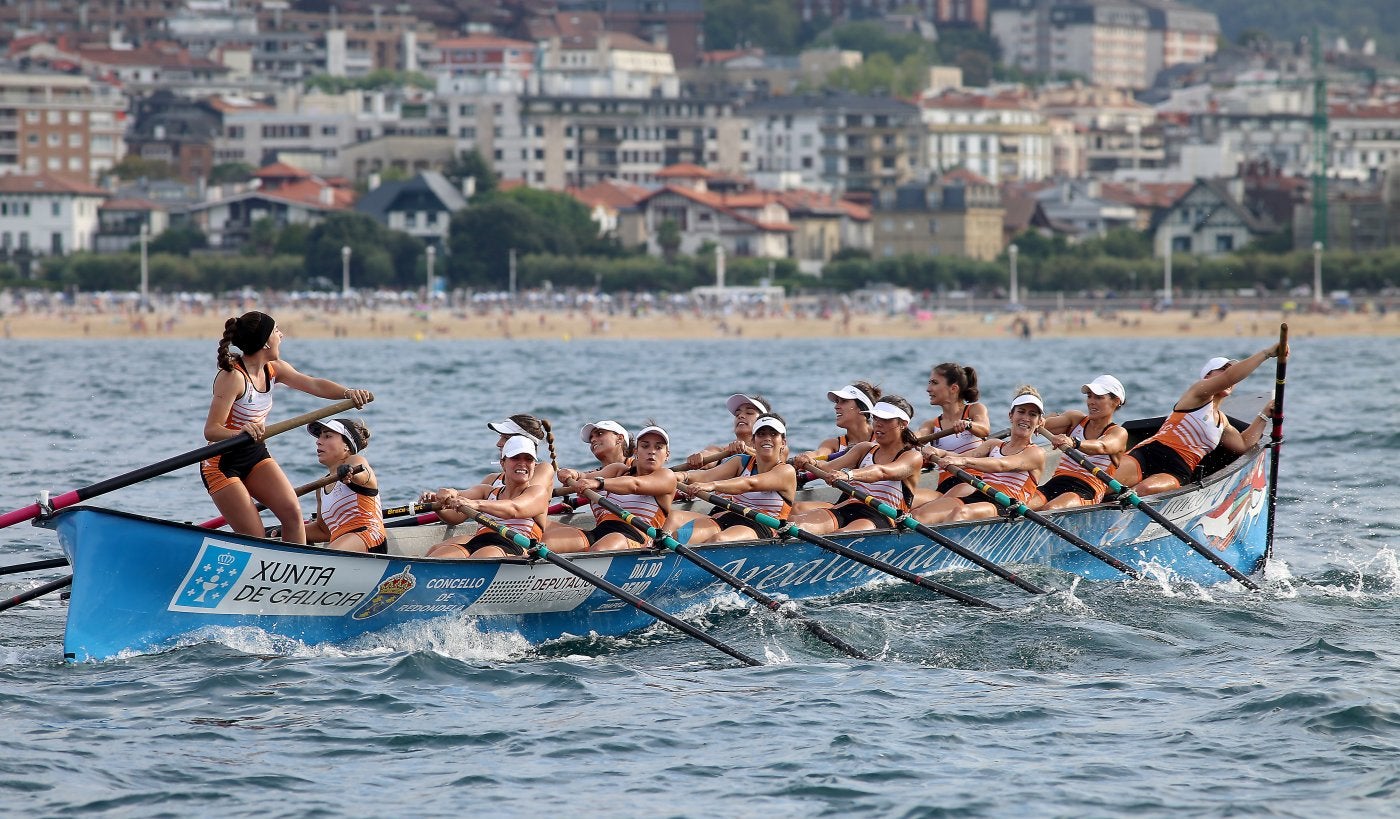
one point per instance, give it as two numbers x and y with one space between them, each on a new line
225 358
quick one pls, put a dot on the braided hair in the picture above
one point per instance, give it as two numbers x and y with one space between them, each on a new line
249 332
540 429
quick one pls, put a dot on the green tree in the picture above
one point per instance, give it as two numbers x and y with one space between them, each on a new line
769 24
373 248
229 172
471 165
135 167
668 236
179 240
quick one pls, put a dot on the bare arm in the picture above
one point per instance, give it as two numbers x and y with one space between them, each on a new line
781 478
1030 459
1207 388
1062 423
850 458
320 387
532 502
908 463
228 385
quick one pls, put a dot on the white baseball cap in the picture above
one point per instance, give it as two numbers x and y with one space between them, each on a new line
738 399
770 422
658 431
853 393
509 427
884 410
1027 398
1106 385
1215 364
610 426
519 445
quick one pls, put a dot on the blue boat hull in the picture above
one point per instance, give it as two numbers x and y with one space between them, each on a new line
141 584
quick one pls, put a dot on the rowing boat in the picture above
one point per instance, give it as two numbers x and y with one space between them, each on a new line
142 584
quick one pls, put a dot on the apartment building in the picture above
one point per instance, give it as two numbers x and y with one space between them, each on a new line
1364 139
481 55
943 13
1114 130
1117 43
47 213
834 142
577 56
958 214
60 123
178 131
998 136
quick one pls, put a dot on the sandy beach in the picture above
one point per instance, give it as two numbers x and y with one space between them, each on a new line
402 323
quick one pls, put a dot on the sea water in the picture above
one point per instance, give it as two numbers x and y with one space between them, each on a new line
1153 697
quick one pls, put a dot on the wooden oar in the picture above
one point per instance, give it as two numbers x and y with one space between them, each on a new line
168 465
49 563
787 528
540 551
215 523
37 591
1130 497
1276 436
908 522
1017 508
414 508
790 611
416 520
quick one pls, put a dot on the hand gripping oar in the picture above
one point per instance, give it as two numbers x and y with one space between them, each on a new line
1016 507
907 522
540 551
215 523
37 591
1276 436
1131 498
786 528
168 465
790 611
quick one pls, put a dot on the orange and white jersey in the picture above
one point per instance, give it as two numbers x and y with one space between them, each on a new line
529 527
1018 483
956 443
1192 434
645 507
891 492
344 510
251 405
767 501
1068 466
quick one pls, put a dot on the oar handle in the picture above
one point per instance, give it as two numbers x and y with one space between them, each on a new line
300 490
168 465
538 550
793 530
934 436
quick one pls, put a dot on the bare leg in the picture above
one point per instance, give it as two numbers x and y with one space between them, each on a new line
975 511
1154 484
1067 500
564 539
817 521
234 503
269 484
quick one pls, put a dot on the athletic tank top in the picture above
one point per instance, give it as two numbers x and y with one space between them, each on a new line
957 442
646 507
893 492
1192 434
1068 466
529 527
343 509
1018 483
251 405
768 501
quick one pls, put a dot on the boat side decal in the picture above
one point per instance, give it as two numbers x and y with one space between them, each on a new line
230 578
536 587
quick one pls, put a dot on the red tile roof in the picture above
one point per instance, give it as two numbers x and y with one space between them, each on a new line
611 194
49 183
684 170
281 170
965 176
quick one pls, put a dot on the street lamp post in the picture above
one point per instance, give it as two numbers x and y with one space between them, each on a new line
432 256
1167 272
1011 253
145 269
1317 274
345 271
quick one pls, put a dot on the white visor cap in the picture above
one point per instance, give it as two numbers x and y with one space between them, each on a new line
850 391
884 410
658 431
610 426
771 423
1027 399
509 427
1106 385
738 399
519 445
1215 364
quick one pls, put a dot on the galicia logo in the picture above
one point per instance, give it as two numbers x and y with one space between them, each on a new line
387 594
211 579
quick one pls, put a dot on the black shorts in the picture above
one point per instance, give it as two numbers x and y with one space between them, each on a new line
947 483
236 464
1060 484
1156 458
727 519
484 539
607 527
851 511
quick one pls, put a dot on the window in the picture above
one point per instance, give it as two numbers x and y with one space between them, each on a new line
234 132
55 164
56 244
75 163
75 117
55 117
1224 243
55 140
329 130
75 140
32 139
31 117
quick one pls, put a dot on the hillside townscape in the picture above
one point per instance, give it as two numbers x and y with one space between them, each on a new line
210 145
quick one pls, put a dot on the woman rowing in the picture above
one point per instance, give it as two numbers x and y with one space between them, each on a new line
852 404
1196 426
886 467
765 482
242 403
610 444
519 502
746 409
537 430
1011 466
961 424
348 515
1093 433
646 489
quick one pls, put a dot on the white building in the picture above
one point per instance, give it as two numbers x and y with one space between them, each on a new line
998 136
48 214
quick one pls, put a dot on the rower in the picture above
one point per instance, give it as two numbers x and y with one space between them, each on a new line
953 389
1011 466
746 409
646 489
348 515
764 481
519 502
1093 433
